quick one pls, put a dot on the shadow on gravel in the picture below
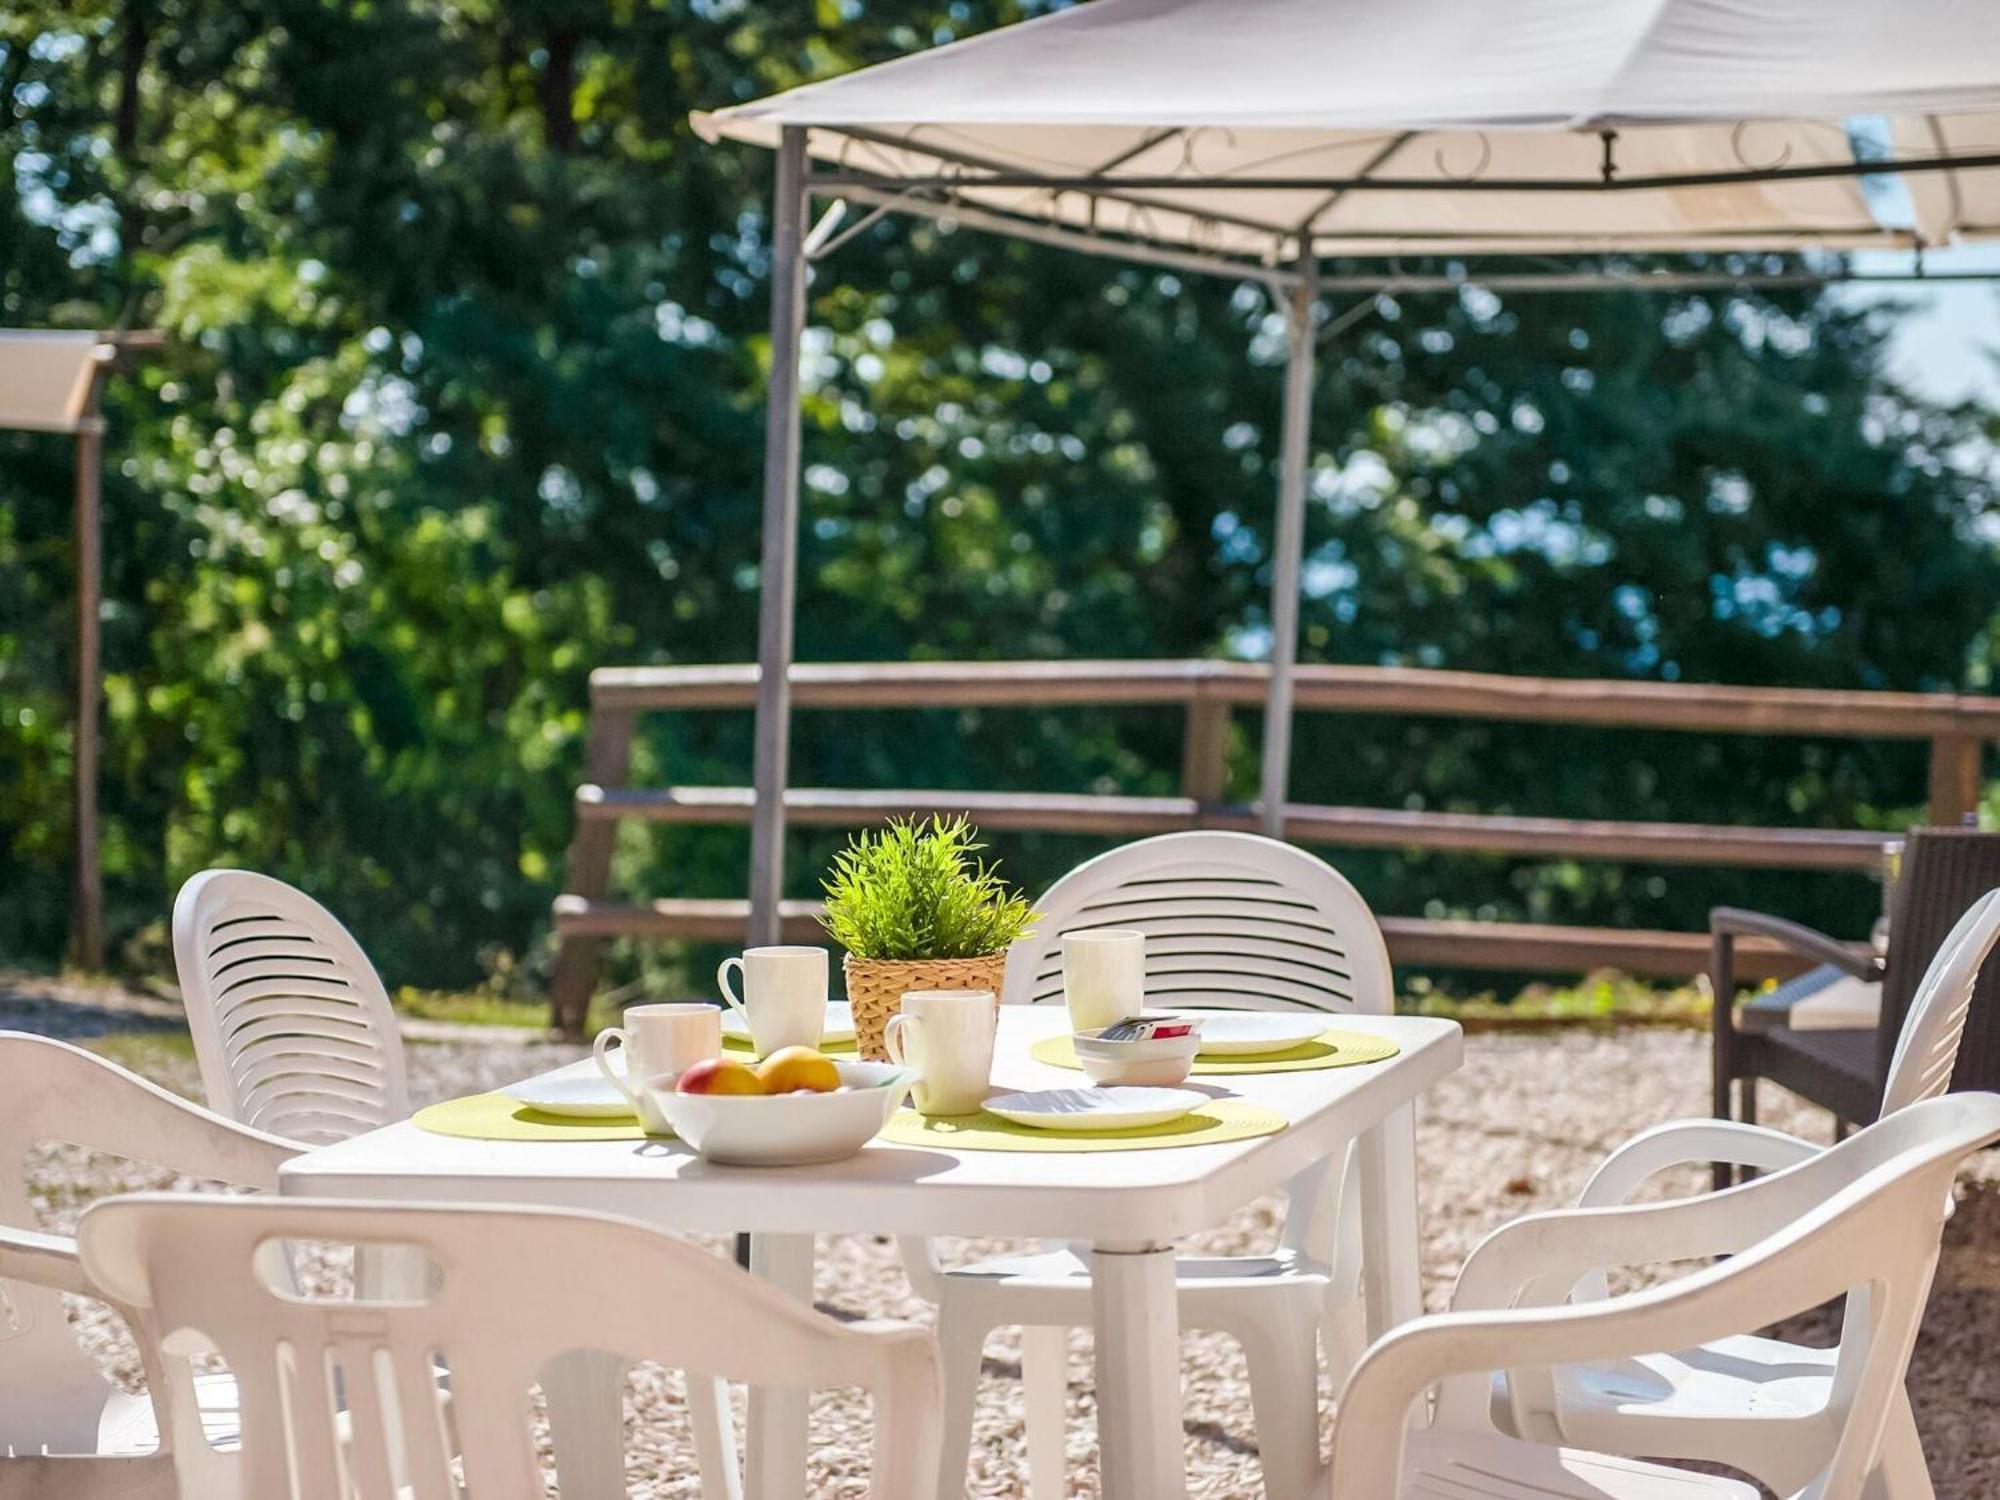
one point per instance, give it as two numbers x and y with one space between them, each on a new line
73 1013
1952 1381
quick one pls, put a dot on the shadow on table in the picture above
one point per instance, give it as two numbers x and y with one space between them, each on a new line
877 1164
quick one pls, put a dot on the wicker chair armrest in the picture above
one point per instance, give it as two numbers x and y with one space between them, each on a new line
1733 921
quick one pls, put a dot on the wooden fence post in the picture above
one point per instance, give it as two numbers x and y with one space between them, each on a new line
1205 751
607 760
87 910
1954 783
1207 693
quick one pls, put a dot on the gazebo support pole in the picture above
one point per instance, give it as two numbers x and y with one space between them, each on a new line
87 905
1294 440
778 578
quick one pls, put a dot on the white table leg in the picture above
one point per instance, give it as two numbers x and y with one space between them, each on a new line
1391 1247
585 1391
1137 1316
775 1446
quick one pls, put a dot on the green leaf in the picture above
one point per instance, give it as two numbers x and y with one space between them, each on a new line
917 890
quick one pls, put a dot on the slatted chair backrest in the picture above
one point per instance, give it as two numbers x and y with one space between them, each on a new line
1865 1217
51 1393
1944 871
193 1264
1927 1048
1231 920
292 1026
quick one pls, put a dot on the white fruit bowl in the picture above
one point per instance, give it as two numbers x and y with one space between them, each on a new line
1159 1061
787 1130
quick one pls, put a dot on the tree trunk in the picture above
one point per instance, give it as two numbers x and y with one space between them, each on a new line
138 38
559 92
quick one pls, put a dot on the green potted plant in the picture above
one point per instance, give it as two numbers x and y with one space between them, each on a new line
916 909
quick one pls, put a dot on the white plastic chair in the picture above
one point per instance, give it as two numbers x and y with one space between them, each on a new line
1756 1404
295 1034
292 1027
192 1264
65 1432
1862 1219
1233 921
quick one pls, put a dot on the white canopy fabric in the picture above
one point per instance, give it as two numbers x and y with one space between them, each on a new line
45 378
1256 136
1249 127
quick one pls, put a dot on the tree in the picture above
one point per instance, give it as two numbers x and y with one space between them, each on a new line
465 398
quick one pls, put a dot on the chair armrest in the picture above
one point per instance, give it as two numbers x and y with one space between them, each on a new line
1689 1143
221 1150
1560 1255
1457 1352
35 1258
47 1260
1539 1258
1734 921
137 1119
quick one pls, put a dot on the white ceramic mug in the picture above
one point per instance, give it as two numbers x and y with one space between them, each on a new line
657 1041
947 1037
784 995
1104 976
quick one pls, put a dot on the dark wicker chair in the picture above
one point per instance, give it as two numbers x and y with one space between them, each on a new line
1944 871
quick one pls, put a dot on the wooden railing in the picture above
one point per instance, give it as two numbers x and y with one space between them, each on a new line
1958 729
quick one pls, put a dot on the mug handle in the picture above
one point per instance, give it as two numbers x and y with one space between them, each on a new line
892 1037
604 1040
722 983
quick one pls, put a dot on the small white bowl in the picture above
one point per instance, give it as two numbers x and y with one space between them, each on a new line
1158 1062
787 1130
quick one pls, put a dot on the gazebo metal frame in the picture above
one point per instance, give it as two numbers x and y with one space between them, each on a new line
1290 268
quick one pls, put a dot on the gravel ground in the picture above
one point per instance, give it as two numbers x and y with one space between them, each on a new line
1518 1129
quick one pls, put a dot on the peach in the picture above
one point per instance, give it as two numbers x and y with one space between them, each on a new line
721 1075
792 1070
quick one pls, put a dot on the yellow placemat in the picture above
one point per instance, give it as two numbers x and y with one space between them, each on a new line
1224 1120
496 1117
1331 1049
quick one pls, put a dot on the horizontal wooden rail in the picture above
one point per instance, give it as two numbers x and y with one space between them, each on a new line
1613 703
1507 946
1958 727
1305 823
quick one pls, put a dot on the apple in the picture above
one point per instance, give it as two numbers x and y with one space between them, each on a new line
720 1075
792 1070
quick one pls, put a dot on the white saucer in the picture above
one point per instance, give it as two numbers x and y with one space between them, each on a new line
839 1024
1246 1033
1096 1109
588 1098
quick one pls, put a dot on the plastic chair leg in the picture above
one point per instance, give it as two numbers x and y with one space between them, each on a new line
961 1345
1901 1473
1283 1356
1045 1394
1344 1338
714 1438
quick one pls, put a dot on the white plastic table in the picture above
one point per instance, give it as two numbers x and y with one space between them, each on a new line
1130 1206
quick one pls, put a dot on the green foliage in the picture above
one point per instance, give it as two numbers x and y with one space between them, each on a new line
915 890
463 396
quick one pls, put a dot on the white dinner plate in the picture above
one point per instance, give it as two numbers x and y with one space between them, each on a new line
839 1024
573 1098
1095 1109
1244 1033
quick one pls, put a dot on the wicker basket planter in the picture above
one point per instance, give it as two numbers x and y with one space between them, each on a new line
876 986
